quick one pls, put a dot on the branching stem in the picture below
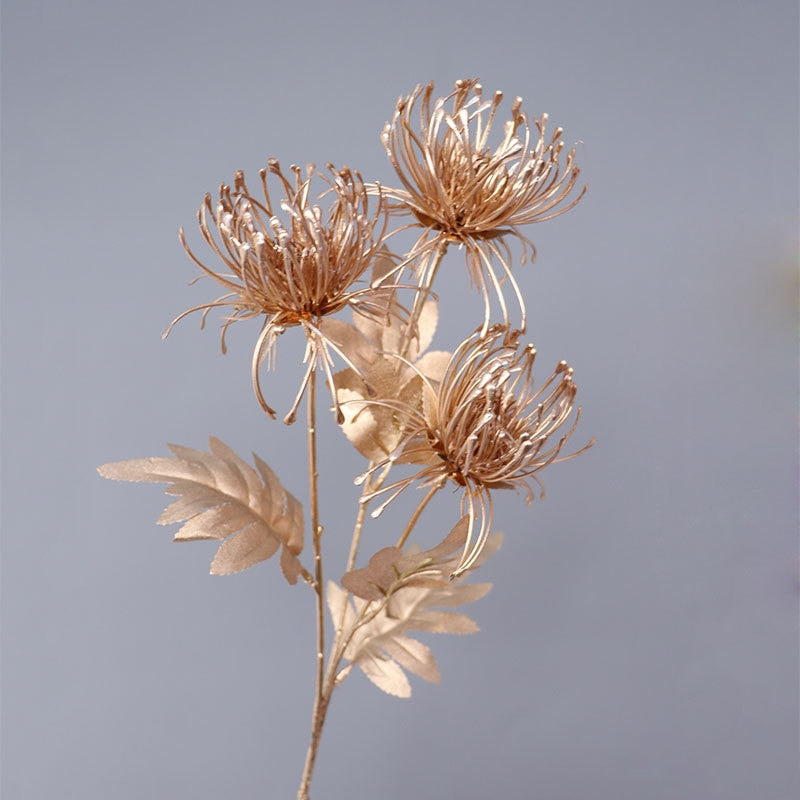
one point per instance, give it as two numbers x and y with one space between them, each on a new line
326 676
415 516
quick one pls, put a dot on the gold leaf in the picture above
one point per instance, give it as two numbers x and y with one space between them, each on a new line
414 657
338 605
252 545
426 327
222 496
290 565
348 339
380 394
360 425
215 523
286 508
386 674
399 592
433 364
373 582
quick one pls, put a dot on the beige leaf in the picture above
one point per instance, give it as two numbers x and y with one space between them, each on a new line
373 582
391 389
221 496
250 546
400 592
371 329
374 428
386 674
361 427
414 657
215 523
196 500
445 621
290 565
372 326
286 508
349 340
341 610
433 364
383 265
389 337
426 327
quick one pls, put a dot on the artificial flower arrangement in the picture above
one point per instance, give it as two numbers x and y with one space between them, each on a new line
474 419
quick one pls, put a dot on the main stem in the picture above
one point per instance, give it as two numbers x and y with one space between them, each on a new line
325 681
320 707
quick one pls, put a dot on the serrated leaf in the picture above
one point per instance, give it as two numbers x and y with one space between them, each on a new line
433 364
187 453
386 674
414 657
373 582
360 426
398 592
391 568
445 621
383 392
250 546
215 523
341 610
220 496
192 503
348 339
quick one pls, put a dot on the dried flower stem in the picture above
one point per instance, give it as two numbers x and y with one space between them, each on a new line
415 516
326 682
318 714
419 301
473 419
361 516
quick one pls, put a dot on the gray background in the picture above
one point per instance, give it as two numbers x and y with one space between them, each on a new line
641 640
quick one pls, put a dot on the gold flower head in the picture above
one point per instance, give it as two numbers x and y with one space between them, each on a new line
462 191
485 426
294 271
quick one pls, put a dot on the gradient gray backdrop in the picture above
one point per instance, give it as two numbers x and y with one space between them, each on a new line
641 640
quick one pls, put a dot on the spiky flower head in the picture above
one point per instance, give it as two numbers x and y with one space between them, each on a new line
485 426
461 190
294 270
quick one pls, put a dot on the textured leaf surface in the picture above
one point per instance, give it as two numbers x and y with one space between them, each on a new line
379 395
400 592
220 496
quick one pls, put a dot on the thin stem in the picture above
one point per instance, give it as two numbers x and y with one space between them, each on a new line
367 487
415 516
358 527
327 683
419 299
318 714
368 613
